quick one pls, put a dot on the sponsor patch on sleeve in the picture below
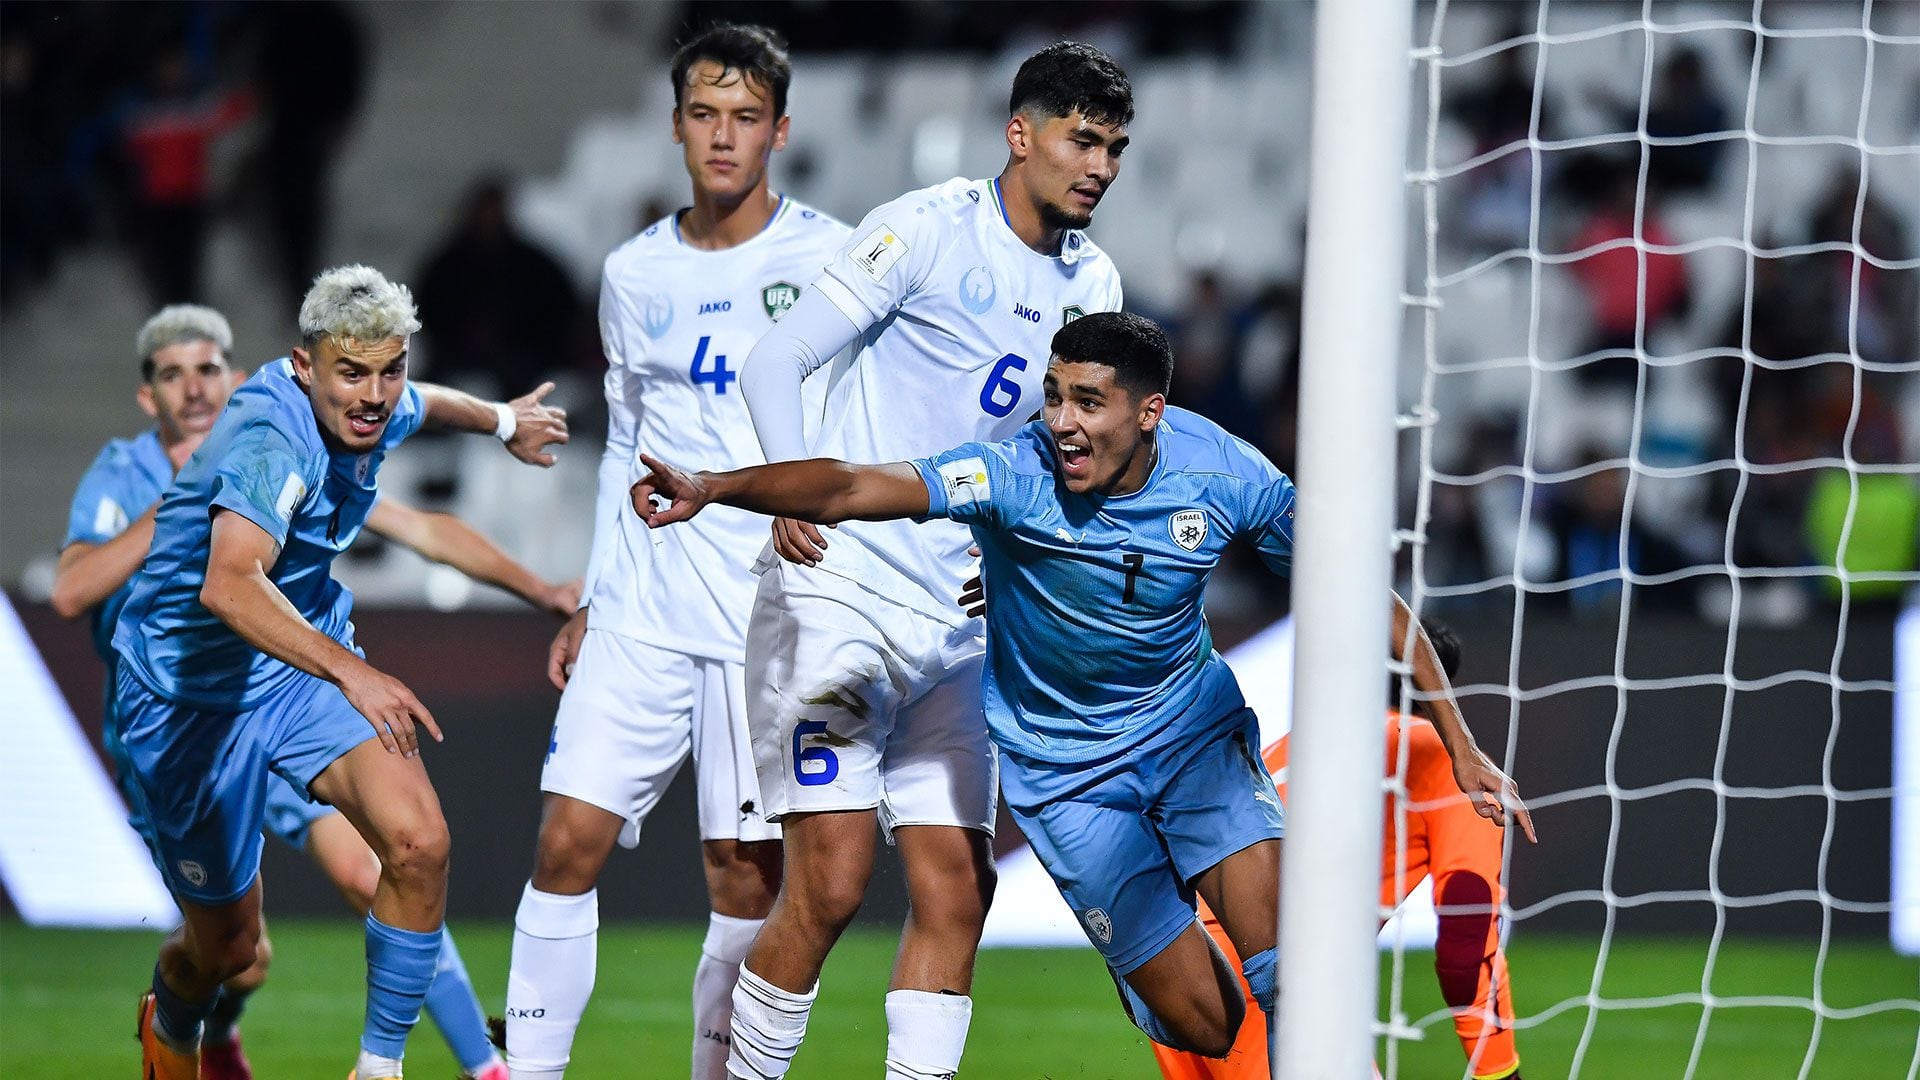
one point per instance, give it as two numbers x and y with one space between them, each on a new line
967 484
109 519
291 492
879 251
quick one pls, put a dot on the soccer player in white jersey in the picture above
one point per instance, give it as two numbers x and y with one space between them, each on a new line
864 670
652 667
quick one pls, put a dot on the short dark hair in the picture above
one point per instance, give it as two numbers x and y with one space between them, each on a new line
1446 646
1133 346
1072 75
758 53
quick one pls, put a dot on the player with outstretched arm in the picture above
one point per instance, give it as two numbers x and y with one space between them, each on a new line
185 383
236 658
1131 759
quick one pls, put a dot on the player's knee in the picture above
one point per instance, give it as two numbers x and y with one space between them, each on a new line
567 860
255 974
419 850
829 903
233 956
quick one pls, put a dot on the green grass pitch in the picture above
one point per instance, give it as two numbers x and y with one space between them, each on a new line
67 1001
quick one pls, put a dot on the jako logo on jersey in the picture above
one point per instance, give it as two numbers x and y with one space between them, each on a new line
778 297
878 252
193 872
1100 926
977 290
715 307
1022 311
1072 312
658 316
1188 528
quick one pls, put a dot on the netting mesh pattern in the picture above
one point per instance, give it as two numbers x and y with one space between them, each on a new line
1664 326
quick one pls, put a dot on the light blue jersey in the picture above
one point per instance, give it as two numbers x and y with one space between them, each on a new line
126 478
266 461
1097 643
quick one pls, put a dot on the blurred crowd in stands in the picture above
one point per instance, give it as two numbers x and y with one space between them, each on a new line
113 134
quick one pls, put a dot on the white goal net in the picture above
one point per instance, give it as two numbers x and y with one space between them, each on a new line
1663 409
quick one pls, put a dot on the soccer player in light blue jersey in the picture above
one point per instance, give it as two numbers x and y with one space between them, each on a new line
236 660
1129 757
185 383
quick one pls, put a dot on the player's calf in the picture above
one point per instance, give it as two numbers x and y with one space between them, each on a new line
1186 997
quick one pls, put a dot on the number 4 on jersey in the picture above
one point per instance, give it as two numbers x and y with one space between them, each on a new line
718 376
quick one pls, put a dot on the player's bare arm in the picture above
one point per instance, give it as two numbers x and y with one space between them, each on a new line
89 573
820 490
1493 793
525 424
445 539
238 591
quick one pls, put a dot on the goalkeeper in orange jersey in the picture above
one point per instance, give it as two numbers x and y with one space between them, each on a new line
1446 839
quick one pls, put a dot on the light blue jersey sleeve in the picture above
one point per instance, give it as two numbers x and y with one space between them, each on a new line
980 484
265 476
100 511
408 414
1264 511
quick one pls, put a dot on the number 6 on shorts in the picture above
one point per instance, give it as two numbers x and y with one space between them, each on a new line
813 765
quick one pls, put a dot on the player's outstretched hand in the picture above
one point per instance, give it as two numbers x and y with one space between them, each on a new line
566 649
798 541
536 427
390 707
973 594
564 599
1493 793
686 493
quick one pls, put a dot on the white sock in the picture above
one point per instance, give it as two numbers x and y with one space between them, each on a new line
768 1024
926 1034
728 940
375 1067
555 945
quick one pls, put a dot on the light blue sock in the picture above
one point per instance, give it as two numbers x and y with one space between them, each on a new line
1262 972
400 966
456 1011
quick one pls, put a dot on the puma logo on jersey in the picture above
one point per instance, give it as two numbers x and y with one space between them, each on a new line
1022 311
715 307
1062 534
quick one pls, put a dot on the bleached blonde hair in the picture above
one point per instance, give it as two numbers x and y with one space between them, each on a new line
181 324
356 303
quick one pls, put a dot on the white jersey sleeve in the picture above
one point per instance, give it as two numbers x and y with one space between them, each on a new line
624 408
677 323
885 262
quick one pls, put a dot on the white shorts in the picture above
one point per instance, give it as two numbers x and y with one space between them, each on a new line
631 713
857 702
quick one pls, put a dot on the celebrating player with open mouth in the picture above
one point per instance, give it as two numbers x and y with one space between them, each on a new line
1132 761
185 384
236 657
653 667
864 672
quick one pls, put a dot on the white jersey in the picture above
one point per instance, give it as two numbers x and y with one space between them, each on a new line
676 323
957 316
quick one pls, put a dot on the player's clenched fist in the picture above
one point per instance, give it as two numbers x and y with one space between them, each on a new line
536 427
390 707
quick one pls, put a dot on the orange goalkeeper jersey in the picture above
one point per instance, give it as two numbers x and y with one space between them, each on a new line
1460 850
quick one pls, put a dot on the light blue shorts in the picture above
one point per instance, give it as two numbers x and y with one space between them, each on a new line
202 783
1125 852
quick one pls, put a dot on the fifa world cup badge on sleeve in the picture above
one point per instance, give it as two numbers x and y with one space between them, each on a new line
967 484
879 251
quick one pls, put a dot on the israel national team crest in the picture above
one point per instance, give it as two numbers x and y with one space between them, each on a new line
778 297
192 872
1100 926
977 290
1072 312
658 316
1188 528
362 465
